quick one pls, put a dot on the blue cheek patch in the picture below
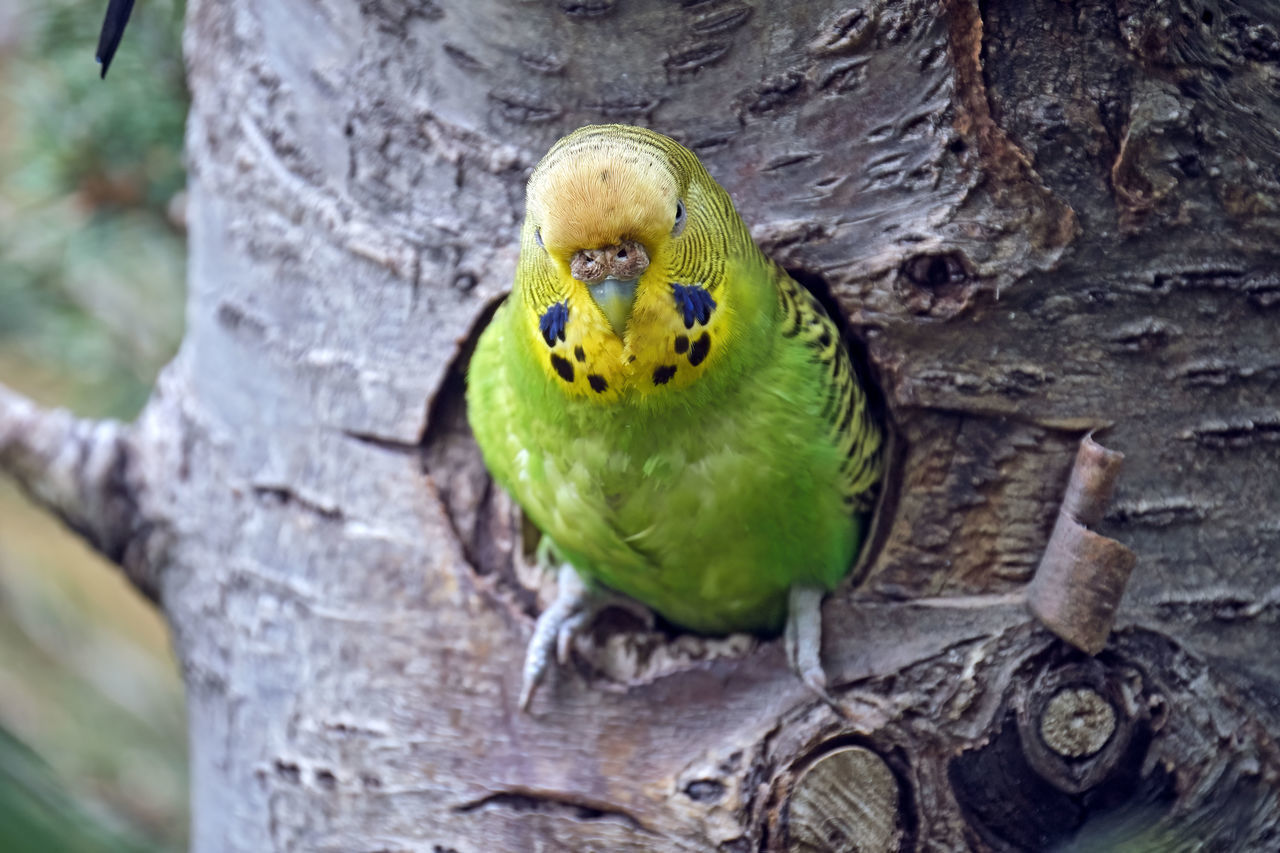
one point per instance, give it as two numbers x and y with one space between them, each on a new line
553 321
694 303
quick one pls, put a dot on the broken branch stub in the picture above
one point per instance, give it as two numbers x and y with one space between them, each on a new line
1077 718
1082 575
845 800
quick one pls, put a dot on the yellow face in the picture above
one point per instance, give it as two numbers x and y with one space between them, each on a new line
624 258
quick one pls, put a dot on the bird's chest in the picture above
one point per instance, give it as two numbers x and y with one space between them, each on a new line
640 478
706 510
702 523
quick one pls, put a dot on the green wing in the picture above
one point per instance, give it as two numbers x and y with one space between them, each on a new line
850 421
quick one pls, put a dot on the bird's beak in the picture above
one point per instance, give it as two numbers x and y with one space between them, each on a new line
610 274
615 297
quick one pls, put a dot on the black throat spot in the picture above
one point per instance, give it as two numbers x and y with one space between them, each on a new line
700 348
562 366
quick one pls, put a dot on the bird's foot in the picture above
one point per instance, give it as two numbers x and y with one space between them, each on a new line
576 606
803 642
803 638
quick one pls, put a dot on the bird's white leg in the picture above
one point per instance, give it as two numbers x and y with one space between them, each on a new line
803 643
803 637
576 606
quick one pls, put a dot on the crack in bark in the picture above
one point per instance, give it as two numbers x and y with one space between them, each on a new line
382 442
526 800
1218 607
287 496
1161 512
1235 433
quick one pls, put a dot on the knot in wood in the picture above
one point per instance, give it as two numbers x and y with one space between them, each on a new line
935 271
939 285
625 260
1077 722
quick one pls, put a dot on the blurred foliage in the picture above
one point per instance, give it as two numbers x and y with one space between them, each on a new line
88 682
37 815
91 263
1141 828
92 260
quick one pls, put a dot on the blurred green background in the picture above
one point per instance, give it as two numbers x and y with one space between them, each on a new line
92 254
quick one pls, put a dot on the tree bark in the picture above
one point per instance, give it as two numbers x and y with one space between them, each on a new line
1039 219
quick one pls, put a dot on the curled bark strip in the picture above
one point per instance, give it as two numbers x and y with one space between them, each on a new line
1093 481
1082 575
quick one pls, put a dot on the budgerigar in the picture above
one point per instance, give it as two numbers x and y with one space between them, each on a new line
673 411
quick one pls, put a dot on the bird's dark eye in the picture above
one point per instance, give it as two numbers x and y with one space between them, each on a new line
680 217
537 235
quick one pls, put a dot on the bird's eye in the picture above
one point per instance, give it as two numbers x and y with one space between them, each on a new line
680 218
537 235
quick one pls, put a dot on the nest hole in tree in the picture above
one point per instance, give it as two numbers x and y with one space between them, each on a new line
484 520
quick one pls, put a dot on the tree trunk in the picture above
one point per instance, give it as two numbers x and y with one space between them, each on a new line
1039 218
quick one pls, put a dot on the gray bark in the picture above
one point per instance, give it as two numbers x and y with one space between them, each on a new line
1041 218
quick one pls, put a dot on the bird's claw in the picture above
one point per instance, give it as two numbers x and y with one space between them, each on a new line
567 630
554 628
803 642
576 606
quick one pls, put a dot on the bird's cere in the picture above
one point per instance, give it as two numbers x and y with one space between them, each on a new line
624 261
611 273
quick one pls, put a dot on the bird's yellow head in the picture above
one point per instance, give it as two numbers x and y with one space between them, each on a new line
627 250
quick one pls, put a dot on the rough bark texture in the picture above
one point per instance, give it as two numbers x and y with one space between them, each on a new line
1041 218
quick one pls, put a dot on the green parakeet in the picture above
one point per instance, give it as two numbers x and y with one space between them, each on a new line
673 411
